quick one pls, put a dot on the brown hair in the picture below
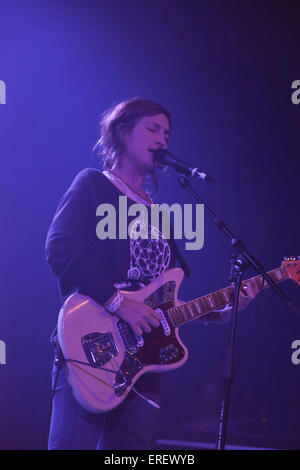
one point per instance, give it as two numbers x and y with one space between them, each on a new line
117 121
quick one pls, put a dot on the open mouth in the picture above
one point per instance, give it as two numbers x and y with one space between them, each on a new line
152 155
155 162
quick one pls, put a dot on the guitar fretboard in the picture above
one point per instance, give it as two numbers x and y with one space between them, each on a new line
216 300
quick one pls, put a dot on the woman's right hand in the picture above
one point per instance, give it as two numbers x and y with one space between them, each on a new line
140 316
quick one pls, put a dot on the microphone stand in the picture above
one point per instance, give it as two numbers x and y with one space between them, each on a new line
238 268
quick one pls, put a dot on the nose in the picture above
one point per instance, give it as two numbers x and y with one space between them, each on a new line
161 142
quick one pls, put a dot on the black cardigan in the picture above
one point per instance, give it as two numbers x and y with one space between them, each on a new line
82 261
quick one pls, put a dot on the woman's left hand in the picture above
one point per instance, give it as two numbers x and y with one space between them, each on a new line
247 293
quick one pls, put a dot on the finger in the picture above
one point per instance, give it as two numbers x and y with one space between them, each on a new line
258 284
157 315
153 314
154 322
137 330
252 289
244 291
145 326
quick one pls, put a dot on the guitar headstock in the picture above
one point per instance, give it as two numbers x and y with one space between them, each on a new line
291 268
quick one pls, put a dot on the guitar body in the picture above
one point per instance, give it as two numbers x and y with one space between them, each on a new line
104 358
88 334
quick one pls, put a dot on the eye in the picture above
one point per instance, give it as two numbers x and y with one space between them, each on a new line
154 130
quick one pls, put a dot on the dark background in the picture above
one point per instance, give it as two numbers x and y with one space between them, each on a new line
224 70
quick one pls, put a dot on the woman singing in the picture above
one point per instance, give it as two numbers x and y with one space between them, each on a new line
98 268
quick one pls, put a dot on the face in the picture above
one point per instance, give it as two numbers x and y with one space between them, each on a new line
150 133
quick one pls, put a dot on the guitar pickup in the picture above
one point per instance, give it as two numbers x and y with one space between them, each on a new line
99 348
130 340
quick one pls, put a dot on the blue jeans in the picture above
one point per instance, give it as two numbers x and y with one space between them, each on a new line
132 425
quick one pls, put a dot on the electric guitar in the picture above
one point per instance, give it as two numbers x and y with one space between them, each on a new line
103 356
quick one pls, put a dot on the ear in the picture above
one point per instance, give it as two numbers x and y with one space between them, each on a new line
121 132
120 139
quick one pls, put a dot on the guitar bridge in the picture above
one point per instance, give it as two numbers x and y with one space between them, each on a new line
99 348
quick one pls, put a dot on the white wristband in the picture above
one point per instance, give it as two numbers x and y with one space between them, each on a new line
114 305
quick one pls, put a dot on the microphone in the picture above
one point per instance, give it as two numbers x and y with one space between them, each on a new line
167 158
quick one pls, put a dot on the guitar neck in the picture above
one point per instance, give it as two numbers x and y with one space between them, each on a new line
216 300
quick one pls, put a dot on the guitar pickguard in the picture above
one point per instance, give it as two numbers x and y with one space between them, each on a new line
162 295
156 348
